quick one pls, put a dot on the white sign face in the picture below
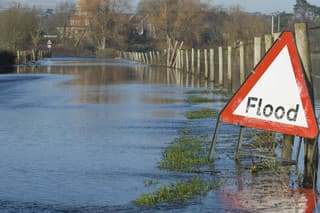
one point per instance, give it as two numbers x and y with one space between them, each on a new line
276 95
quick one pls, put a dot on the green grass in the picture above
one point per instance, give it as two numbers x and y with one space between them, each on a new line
192 92
194 99
202 113
186 154
179 192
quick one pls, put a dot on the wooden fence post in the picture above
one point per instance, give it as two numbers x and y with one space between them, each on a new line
146 58
181 59
302 42
187 60
220 66
177 60
25 61
267 42
168 57
192 60
151 57
257 50
198 62
158 58
206 63
229 67
212 65
18 57
275 36
241 55
33 55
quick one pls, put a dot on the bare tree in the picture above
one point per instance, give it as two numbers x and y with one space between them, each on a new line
191 21
306 12
108 25
17 25
239 25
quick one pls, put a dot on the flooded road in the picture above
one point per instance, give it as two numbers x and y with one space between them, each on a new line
85 134
88 138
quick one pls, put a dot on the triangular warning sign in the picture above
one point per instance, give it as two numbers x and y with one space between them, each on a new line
275 96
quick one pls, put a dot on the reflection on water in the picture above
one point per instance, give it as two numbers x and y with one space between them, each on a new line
85 134
95 77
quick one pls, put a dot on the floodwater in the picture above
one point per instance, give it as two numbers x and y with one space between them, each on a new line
85 134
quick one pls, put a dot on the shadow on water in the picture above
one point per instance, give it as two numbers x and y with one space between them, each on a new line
7 69
90 134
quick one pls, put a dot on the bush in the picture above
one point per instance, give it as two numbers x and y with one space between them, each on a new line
107 53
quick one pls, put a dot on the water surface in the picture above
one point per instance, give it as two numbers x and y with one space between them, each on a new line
85 134
81 132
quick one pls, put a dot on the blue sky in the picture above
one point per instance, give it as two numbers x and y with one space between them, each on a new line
264 6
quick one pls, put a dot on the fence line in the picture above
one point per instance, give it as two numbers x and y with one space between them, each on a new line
24 56
229 68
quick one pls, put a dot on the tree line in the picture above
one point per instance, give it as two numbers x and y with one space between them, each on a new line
113 25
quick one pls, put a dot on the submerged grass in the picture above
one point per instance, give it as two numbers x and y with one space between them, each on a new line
179 192
192 92
262 140
202 113
193 99
219 91
186 154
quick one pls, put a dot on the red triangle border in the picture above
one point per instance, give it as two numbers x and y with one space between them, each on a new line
227 116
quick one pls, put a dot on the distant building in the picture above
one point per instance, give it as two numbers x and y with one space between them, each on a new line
79 21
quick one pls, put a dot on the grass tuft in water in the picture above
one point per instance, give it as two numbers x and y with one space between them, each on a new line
150 182
202 113
264 141
194 99
192 92
186 154
179 192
